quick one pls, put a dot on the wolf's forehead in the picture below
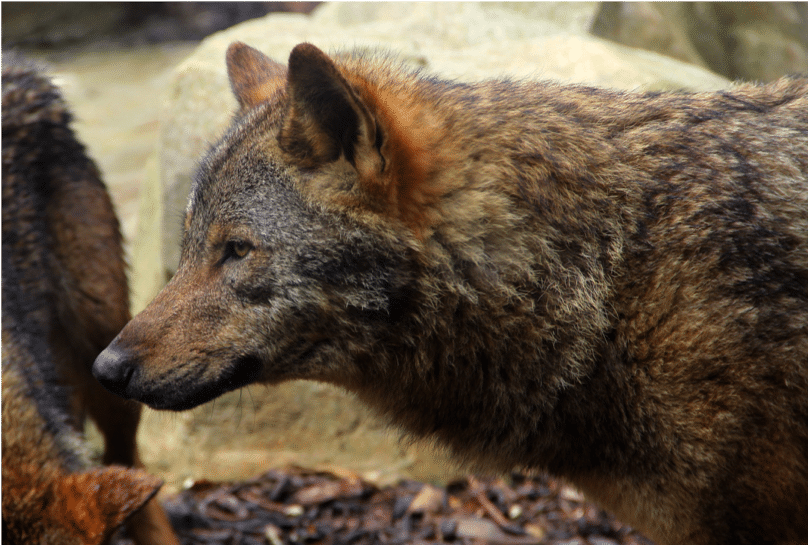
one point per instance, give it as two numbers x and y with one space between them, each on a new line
249 187
235 172
213 166
251 137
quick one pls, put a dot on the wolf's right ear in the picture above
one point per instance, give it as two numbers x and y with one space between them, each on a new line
254 77
391 138
326 116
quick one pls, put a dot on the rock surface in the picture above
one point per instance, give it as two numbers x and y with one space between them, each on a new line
307 423
754 41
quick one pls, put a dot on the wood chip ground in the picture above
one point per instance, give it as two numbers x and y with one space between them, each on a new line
304 507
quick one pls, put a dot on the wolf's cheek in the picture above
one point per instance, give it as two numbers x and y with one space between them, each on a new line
277 315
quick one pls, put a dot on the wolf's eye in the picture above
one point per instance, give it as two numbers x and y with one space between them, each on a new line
237 249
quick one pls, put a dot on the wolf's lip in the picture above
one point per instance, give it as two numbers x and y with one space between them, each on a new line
246 370
186 393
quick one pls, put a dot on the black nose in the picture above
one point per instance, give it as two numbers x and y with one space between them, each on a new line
114 369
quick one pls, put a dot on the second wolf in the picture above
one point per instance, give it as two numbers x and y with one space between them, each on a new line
611 287
64 298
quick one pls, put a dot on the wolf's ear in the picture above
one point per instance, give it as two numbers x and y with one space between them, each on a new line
93 504
391 138
326 117
254 77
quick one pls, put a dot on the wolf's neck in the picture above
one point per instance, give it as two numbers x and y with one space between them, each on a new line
511 320
491 362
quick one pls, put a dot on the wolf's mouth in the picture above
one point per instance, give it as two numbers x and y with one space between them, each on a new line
187 394
244 371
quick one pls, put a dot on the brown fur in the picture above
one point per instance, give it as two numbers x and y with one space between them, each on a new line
612 287
64 298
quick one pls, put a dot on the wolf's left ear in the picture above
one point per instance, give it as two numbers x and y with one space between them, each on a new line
254 77
327 118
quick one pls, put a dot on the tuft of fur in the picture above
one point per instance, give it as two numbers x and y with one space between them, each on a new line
64 298
609 286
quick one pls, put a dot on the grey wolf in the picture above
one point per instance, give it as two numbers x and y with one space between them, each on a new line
608 286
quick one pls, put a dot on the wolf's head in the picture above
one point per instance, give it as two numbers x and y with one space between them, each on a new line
296 237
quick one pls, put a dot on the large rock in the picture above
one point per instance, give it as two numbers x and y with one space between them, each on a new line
758 41
308 422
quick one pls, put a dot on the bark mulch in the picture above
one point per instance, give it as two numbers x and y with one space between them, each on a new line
304 507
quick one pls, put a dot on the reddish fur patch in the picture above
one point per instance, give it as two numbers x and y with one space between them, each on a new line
84 507
410 185
263 91
93 504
